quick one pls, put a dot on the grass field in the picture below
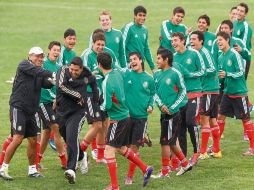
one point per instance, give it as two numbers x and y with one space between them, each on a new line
28 23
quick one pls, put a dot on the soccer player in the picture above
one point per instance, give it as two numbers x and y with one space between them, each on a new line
71 97
168 27
243 30
169 82
114 37
190 63
24 101
47 107
67 50
234 102
117 135
139 93
210 98
203 26
135 37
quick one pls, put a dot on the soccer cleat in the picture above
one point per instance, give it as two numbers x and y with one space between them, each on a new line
101 161
147 140
194 159
52 144
111 188
249 152
94 154
147 175
174 169
203 156
216 154
4 174
70 176
36 175
160 175
128 180
183 170
245 137
84 164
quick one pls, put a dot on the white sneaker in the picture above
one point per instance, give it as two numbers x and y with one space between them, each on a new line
4 174
160 175
183 170
84 164
94 154
70 175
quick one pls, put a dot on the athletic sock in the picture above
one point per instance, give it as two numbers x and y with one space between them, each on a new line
112 168
205 133
84 145
221 124
100 148
63 159
175 162
132 167
6 143
38 154
248 125
165 165
93 144
130 155
216 138
181 157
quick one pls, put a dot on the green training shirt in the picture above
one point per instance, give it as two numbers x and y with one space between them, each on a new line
65 56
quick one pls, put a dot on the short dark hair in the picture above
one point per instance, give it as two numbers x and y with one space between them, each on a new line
139 9
98 30
135 53
200 35
69 32
54 43
224 35
77 61
98 36
166 53
206 18
245 6
228 22
105 60
179 35
178 10
233 8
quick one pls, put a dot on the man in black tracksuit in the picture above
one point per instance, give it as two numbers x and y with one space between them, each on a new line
71 96
24 102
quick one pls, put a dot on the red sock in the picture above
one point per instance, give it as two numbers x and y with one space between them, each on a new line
93 143
63 159
132 167
198 118
248 125
216 138
112 167
175 162
4 147
165 165
84 145
205 133
52 135
221 124
100 148
182 158
129 154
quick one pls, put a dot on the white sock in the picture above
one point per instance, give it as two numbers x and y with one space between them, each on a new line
32 169
4 167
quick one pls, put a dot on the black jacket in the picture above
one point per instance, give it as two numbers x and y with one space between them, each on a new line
27 86
69 91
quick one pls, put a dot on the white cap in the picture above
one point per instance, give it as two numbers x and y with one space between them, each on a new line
35 50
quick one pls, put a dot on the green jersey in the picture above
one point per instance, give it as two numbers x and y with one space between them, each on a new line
65 56
170 89
114 96
139 92
48 95
210 82
135 39
243 31
192 61
232 63
166 31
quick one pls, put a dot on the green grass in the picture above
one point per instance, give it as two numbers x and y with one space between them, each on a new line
27 23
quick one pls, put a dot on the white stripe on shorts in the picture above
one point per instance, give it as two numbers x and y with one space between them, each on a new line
170 128
90 107
14 118
208 101
245 106
44 111
113 131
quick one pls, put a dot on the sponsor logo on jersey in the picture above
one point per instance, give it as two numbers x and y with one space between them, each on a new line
117 39
136 35
238 32
168 81
229 63
210 42
129 82
145 84
188 61
156 80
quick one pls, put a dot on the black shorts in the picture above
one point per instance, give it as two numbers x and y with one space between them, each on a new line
235 107
47 114
23 123
137 129
170 125
93 111
209 105
118 133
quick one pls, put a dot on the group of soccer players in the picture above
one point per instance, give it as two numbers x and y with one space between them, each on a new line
201 79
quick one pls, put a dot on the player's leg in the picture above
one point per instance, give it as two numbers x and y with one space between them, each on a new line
4 147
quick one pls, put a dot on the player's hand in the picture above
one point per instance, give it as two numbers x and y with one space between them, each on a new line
95 72
149 109
222 74
238 48
164 109
189 30
81 102
54 104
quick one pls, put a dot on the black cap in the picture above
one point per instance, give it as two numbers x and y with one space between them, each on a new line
77 61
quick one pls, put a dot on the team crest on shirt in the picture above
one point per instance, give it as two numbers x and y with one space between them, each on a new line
188 61
19 128
238 32
136 35
229 63
129 82
145 84
168 81
117 39
144 36
210 43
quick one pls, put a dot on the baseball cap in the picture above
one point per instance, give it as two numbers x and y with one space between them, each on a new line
35 50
